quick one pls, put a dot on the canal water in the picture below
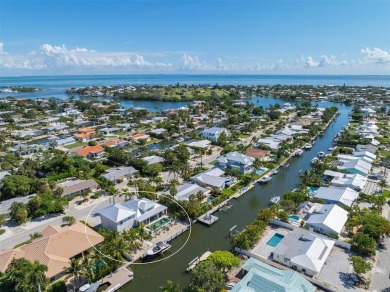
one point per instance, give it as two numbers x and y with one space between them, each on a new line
216 237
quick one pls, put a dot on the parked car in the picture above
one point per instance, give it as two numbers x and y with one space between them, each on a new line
375 176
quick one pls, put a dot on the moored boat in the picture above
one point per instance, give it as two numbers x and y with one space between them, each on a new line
315 160
265 179
159 248
321 154
274 172
274 200
308 146
298 152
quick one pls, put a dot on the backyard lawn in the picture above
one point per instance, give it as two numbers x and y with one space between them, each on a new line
75 145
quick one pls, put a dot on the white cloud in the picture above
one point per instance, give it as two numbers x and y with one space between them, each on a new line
376 55
324 61
1 48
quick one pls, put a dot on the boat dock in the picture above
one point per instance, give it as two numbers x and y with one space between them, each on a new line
197 260
208 219
118 278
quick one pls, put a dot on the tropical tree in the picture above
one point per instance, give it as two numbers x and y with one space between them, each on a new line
383 184
363 244
224 260
208 277
36 275
69 220
170 287
360 265
74 269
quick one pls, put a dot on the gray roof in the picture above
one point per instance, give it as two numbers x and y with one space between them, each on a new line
116 213
331 216
5 205
3 174
116 173
74 186
343 195
153 159
184 191
236 157
211 178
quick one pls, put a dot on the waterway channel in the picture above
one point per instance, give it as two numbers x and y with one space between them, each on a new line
216 237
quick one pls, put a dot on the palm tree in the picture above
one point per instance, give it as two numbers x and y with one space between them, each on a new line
142 233
36 275
383 184
170 287
74 269
132 238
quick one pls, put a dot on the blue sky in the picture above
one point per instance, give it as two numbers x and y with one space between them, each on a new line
202 37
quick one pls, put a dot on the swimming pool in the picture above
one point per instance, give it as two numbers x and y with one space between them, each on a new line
275 239
158 224
293 218
209 199
312 190
260 170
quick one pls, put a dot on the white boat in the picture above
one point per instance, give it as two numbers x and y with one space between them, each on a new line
321 154
331 148
315 160
180 140
265 179
274 200
321 133
159 248
274 172
307 146
298 152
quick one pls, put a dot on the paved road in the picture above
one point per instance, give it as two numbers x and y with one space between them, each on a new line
381 272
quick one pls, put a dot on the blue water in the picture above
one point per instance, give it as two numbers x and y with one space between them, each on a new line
55 86
260 171
275 239
293 218
209 199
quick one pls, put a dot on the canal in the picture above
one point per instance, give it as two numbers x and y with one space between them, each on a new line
216 237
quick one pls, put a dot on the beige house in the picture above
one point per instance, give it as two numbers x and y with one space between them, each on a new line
55 248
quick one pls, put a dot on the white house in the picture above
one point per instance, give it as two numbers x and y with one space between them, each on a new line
184 191
213 133
337 195
211 178
338 179
328 219
353 164
303 251
153 159
131 213
235 160
117 174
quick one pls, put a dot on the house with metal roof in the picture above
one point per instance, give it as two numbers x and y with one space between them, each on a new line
339 179
262 277
303 251
353 164
116 174
214 132
235 160
327 219
184 191
153 159
337 195
129 214
211 178
73 187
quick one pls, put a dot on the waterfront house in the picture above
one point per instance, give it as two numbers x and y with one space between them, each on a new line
54 248
235 160
91 152
353 165
257 153
303 251
204 144
65 141
337 195
153 159
117 174
259 276
271 143
327 219
211 178
139 136
73 187
339 179
109 131
117 143
184 191
126 215
368 148
213 133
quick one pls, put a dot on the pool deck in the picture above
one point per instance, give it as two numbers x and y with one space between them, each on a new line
262 248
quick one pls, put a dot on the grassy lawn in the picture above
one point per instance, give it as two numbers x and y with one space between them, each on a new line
386 193
227 192
75 145
244 136
384 153
213 162
122 133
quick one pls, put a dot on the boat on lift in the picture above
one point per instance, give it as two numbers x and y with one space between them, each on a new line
308 146
274 200
315 160
321 154
298 152
265 179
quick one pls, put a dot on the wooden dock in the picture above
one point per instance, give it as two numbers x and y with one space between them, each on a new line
197 260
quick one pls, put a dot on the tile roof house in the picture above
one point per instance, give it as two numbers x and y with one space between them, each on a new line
257 153
55 248
327 219
337 195
262 277
85 134
235 160
119 173
139 136
126 215
303 251
91 152
77 186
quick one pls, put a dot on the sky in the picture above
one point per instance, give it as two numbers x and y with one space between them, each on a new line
72 37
